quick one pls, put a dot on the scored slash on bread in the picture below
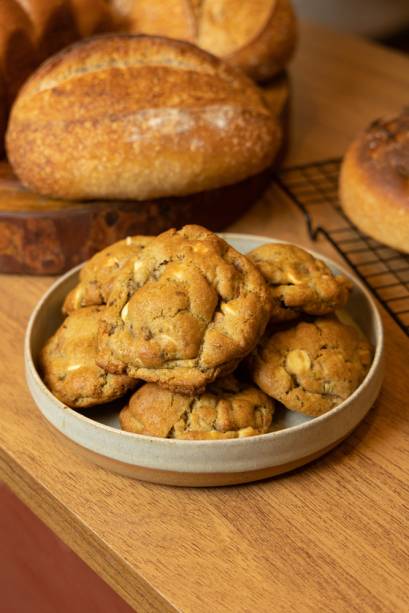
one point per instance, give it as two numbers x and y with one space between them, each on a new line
258 36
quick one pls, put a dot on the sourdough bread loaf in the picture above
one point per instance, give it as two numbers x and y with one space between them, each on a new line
259 36
138 117
374 181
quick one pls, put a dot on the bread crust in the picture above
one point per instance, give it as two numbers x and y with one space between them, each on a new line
17 52
259 37
53 23
374 181
91 17
270 48
140 117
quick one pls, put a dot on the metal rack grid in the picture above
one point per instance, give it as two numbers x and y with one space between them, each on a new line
314 189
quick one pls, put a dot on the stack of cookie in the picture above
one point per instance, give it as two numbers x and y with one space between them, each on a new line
175 315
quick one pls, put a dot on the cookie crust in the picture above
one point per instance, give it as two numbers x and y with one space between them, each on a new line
68 363
228 409
299 282
99 273
185 312
312 367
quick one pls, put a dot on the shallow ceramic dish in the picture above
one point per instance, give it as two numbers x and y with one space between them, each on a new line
296 440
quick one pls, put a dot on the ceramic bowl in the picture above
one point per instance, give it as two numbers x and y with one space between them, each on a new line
295 441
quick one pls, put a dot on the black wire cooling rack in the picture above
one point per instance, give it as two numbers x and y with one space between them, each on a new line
314 189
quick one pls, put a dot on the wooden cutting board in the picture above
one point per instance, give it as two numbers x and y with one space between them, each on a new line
43 236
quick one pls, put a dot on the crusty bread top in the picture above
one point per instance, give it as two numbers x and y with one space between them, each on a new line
140 117
381 156
138 54
259 36
91 16
229 25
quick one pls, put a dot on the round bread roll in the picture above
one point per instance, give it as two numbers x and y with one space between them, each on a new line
17 52
374 181
138 117
259 36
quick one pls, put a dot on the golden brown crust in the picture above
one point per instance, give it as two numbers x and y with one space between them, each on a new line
374 181
91 17
312 367
185 312
3 114
228 409
258 36
171 18
54 24
165 137
262 50
299 282
99 273
68 363
17 52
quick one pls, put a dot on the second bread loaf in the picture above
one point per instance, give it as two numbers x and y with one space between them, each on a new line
138 117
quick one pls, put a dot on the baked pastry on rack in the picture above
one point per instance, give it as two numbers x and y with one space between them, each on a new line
374 181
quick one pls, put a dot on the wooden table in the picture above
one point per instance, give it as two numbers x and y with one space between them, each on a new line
330 537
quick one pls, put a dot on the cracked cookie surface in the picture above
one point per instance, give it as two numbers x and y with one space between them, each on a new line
228 409
68 363
184 312
312 367
99 273
299 282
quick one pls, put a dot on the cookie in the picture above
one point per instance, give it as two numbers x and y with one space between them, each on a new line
228 409
68 363
312 367
184 312
98 274
299 282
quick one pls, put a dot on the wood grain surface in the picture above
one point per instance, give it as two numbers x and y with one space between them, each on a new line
332 536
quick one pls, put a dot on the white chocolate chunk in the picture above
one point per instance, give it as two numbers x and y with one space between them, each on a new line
298 362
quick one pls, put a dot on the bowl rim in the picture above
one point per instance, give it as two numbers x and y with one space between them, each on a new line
251 440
